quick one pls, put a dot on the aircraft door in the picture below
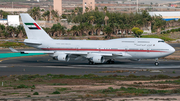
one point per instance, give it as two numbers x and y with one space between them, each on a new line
126 49
99 48
148 48
77 48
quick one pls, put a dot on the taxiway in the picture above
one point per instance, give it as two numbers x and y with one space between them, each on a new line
43 64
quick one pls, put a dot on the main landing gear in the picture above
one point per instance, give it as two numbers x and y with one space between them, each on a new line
91 63
156 62
111 61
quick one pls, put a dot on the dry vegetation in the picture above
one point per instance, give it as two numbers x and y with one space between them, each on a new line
89 87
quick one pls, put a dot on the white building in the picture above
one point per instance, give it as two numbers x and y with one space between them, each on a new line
3 22
174 15
13 20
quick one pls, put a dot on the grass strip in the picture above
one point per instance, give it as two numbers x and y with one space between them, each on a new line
8 55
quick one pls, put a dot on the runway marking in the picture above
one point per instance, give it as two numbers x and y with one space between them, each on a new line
3 66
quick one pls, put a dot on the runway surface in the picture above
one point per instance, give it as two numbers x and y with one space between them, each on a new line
44 64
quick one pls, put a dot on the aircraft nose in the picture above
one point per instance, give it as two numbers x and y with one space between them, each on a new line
172 50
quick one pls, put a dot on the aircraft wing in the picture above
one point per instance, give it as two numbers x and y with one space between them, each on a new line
77 55
91 54
26 52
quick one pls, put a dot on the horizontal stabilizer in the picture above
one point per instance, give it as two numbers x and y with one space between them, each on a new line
33 43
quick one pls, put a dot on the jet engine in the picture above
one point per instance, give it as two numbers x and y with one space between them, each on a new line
62 57
98 59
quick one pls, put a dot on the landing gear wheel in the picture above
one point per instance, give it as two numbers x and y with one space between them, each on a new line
91 63
156 63
110 61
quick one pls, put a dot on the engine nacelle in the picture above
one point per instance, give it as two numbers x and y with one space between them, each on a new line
63 57
98 59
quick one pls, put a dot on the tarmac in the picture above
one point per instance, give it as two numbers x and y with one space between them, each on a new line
43 64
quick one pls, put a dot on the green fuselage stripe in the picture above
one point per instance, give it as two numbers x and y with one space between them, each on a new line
8 55
28 23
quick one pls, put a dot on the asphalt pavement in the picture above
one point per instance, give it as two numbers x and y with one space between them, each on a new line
46 65
43 64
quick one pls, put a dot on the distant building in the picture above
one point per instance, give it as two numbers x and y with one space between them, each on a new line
58 6
3 22
14 9
174 5
13 20
88 4
167 16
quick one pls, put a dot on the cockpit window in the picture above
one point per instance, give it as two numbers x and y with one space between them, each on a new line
160 41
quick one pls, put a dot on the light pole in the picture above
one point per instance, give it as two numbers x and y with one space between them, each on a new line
137 5
12 7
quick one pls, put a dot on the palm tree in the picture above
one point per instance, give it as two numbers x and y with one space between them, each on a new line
68 32
105 9
76 10
108 30
87 9
59 29
92 30
5 34
46 15
146 18
35 13
1 14
75 30
19 31
55 15
96 9
2 28
4 14
158 23
98 28
91 19
122 28
48 30
127 28
54 30
87 28
80 29
11 30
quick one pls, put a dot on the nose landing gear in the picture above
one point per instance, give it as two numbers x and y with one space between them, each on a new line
156 62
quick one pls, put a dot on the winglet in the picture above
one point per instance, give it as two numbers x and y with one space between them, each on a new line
13 50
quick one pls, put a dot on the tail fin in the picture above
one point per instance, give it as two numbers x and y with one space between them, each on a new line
33 30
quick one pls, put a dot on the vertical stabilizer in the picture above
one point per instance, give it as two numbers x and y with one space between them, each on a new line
33 30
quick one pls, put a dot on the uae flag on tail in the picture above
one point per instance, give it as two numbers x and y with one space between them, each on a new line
32 26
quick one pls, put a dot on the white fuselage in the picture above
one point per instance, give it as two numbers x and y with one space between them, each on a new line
129 48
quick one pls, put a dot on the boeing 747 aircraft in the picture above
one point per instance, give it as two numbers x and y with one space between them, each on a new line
95 51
